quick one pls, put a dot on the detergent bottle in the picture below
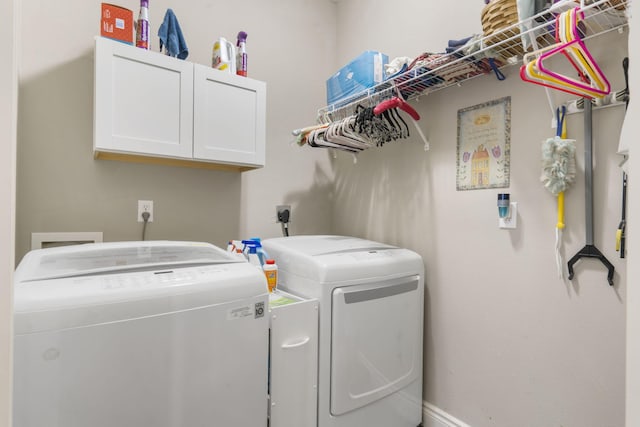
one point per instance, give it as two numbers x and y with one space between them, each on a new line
271 272
224 53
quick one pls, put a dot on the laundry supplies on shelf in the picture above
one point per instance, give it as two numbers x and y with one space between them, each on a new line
171 37
223 57
241 54
479 55
142 26
116 23
363 72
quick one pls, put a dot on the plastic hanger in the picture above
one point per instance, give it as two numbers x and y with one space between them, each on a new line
396 102
572 47
404 128
335 134
530 73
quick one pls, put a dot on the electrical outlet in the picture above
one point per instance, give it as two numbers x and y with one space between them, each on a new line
145 206
280 209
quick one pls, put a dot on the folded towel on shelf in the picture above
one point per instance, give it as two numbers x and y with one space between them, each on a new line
398 65
171 36
455 45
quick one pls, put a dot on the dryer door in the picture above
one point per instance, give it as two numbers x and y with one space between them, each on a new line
376 341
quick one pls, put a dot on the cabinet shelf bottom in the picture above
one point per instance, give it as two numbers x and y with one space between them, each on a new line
135 158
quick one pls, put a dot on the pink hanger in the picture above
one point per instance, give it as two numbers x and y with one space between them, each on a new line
569 49
566 34
396 102
581 53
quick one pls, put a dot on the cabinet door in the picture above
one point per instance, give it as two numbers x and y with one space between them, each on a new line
294 364
229 118
143 102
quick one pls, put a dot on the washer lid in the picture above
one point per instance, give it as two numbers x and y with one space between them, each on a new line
326 245
70 287
100 258
331 259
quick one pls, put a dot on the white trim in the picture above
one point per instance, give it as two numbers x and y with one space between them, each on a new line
436 417
8 130
38 239
629 130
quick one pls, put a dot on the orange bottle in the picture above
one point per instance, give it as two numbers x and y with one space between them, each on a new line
271 272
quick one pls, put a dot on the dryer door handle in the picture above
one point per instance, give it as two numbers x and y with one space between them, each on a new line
296 344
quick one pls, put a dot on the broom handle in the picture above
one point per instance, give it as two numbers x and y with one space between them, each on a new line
562 133
560 223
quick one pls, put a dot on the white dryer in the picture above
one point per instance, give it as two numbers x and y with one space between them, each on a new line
371 298
162 334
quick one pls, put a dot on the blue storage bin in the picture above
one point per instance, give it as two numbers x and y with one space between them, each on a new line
365 71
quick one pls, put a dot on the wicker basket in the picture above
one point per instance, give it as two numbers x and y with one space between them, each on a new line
619 4
615 4
496 16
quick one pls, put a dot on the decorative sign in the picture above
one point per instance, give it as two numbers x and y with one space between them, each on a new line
484 145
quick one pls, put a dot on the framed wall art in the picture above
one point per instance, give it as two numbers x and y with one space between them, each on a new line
484 145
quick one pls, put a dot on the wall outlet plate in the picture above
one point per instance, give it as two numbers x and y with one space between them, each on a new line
145 206
281 208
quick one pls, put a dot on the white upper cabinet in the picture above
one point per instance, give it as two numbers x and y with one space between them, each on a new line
152 108
229 117
141 105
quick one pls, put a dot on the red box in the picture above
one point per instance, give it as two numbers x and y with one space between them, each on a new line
116 23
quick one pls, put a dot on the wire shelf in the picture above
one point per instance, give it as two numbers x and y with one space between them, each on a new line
504 46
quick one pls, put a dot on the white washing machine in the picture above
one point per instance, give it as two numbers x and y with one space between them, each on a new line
162 334
371 298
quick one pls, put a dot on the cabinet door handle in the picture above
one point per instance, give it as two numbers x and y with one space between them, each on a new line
296 344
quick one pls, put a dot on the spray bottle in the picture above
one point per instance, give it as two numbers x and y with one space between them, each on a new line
241 55
142 26
255 242
253 257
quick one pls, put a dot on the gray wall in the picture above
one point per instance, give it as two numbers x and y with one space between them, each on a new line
61 187
506 342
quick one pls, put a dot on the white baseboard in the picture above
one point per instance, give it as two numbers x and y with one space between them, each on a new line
435 417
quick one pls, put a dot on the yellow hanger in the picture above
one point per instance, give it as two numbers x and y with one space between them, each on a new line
576 50
572 47
530 73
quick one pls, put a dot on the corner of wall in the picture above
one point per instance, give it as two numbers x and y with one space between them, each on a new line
433 416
